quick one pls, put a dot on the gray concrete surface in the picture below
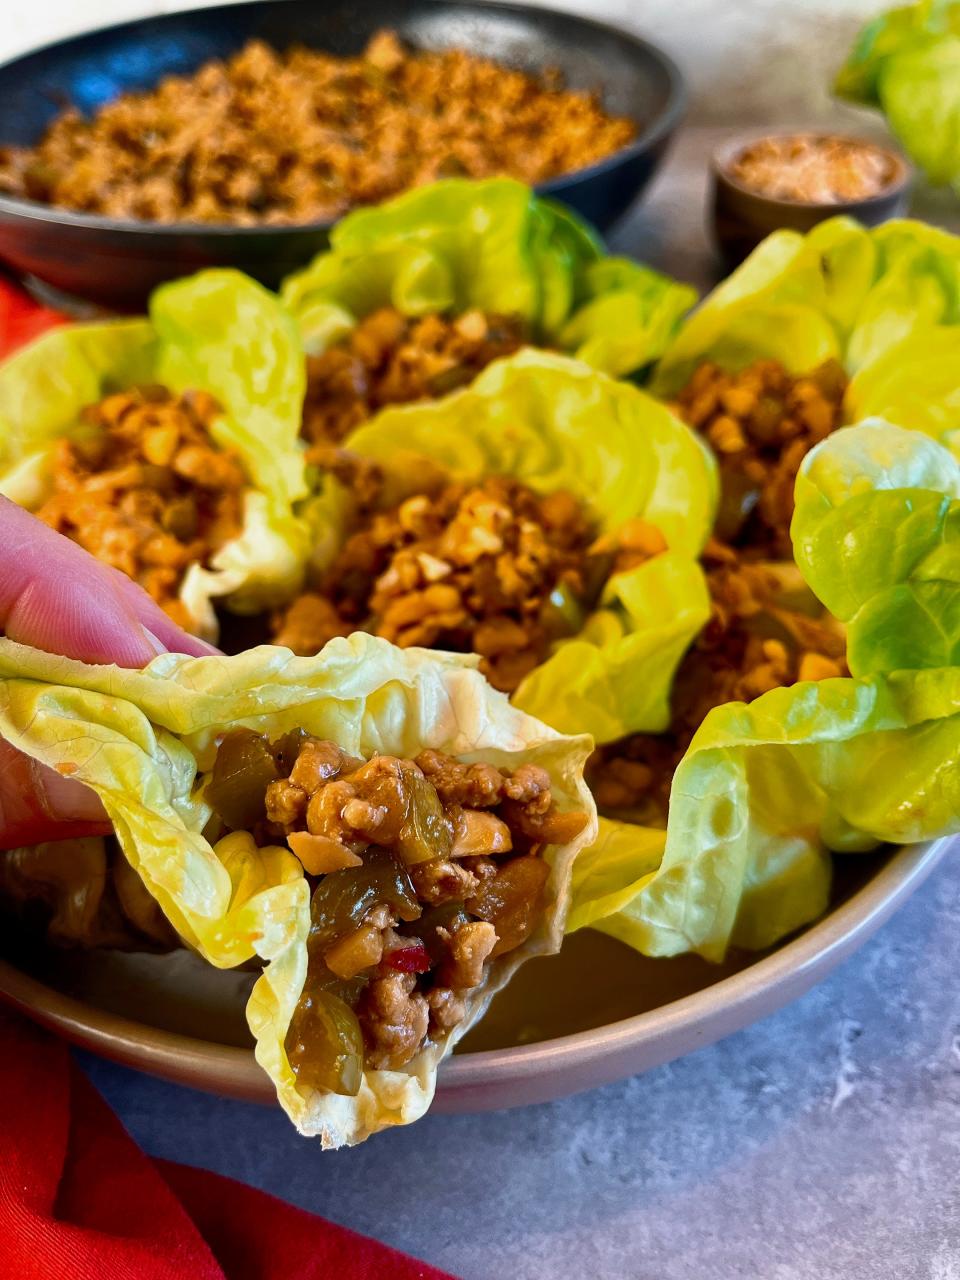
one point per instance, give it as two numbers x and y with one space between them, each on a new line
820 1144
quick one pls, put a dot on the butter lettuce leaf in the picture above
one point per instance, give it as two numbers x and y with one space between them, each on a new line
907 63
876 534
144 741
217 331
615 676
556 424
493 245
841 291
914 384
766 791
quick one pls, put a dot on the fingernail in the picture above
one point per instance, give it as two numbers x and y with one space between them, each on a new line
153 642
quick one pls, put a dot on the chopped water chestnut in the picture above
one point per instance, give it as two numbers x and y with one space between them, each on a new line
422 872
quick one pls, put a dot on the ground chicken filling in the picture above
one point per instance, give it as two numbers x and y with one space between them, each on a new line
488 567
389 358
423 871
761 422
85 893
302 136
765 632
147 490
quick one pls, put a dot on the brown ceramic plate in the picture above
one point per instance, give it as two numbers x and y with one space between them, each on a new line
594 1014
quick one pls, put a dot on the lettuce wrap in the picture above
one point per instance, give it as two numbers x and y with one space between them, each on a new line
768 790
491 245
906 62
147 741
871 299
556 425
217 332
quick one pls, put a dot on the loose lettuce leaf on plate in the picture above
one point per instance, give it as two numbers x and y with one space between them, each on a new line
556 424
143 741
217 331
876 534
493 245
841 291
907 62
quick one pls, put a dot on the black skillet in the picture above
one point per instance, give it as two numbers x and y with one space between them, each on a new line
116 263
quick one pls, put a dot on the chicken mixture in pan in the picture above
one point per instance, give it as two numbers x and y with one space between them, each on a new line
302 136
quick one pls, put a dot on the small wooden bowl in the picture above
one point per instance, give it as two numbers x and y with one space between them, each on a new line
743 217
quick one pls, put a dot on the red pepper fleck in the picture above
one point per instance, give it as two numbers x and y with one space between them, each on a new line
412 959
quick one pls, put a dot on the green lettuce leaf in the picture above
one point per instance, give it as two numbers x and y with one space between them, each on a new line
907 63
144 742
763 794
876 534
610 873
217 331
794 299
914 383
459 244
863 297
627 315
556 424
615 676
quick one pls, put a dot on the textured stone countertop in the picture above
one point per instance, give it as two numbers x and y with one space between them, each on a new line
820 1144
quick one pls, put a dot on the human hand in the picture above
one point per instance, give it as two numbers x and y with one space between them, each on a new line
56 597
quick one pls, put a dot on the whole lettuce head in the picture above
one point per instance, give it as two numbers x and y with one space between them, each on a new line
768 790
555 424
145 742
493 245
219 332
906 62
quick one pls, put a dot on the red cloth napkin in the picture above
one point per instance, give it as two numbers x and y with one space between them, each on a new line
79 1200
21 318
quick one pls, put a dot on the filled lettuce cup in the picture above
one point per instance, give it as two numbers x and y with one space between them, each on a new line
769 789
417 295
811 333
767 708
169 446
547 518
378 827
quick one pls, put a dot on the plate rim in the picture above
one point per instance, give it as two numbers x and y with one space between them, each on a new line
535 1072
